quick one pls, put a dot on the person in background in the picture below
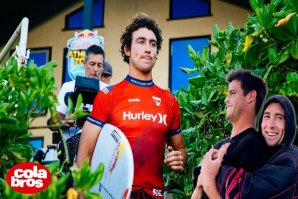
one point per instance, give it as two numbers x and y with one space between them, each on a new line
248 148
107 73
148 115
278 178
94 66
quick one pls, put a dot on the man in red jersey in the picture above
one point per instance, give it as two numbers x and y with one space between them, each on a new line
148 115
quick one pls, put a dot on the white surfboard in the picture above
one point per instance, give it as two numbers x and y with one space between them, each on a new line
114 151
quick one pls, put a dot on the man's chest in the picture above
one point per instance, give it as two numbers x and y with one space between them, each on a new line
136 112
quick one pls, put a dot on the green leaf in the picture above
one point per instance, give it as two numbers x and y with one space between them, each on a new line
294 50
290 87
53 167
79 102
92 195
294 4
21 152
61 184
70 105
202 121
188 71
205 54
198 81
191 52
7 119
292 77
97 175
195 102
283 56
215 29
211 95
253 54
204 98
272 54
258 8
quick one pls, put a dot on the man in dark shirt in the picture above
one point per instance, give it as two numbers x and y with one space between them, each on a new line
247 148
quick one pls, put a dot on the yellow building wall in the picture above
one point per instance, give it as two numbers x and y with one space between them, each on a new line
116 15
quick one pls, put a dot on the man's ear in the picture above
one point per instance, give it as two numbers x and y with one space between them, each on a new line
127 50
252 96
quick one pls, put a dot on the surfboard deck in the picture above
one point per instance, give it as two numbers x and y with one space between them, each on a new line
114 151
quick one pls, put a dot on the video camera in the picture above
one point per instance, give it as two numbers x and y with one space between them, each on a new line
88 88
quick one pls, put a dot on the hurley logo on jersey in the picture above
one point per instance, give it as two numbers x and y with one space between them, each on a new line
159 118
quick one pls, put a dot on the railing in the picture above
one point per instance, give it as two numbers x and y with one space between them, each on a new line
21 33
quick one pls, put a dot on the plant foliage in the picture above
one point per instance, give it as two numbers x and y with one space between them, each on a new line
268 45
25 92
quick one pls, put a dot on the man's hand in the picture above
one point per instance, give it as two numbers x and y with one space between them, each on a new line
174 160
210 167
69 121
212 162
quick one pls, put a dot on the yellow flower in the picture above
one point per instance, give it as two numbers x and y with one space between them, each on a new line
248 41
285 20
229 58
72 194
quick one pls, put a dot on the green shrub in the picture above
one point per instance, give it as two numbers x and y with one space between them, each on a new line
25 92
268 46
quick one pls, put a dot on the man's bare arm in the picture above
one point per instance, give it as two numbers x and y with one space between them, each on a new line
199 191
177 156
89 136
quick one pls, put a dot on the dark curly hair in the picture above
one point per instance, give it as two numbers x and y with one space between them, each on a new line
140 20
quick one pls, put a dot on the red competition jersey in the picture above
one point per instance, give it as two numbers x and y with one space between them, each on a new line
147 115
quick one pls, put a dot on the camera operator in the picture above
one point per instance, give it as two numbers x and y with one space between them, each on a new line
94 66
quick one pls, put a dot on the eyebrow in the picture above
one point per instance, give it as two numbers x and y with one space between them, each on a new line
277 114
144 38
93 62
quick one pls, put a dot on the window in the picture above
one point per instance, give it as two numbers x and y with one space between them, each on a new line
179 58
41 56
36 142
74 20
189 8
